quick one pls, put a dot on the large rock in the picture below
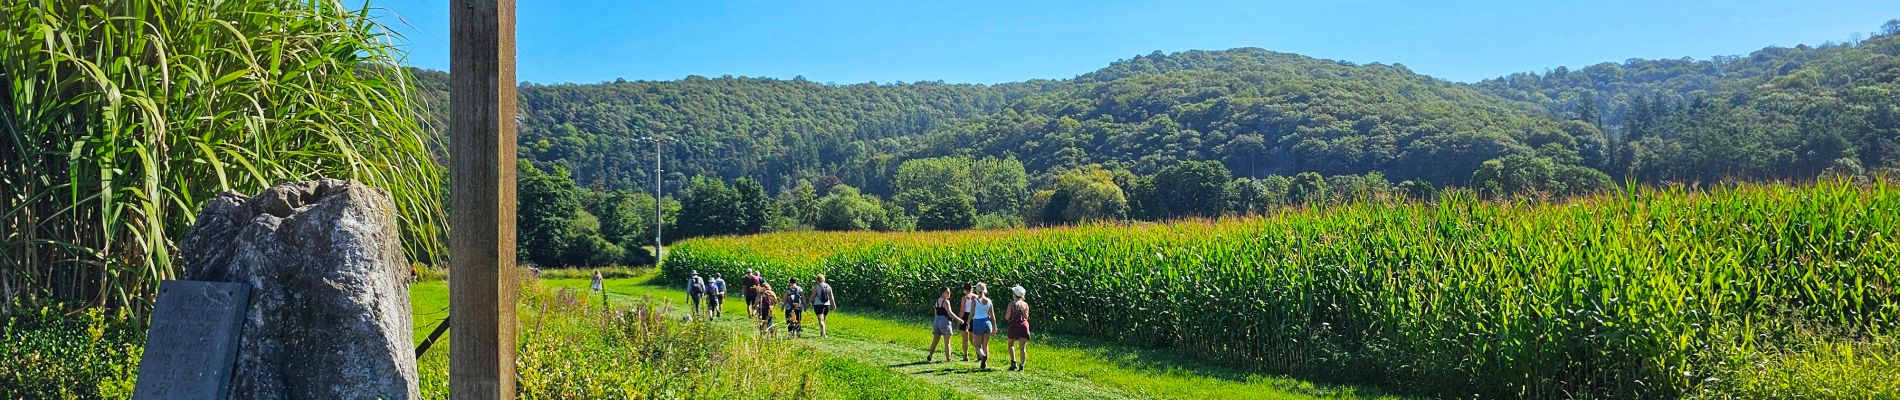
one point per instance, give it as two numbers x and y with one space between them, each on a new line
329 312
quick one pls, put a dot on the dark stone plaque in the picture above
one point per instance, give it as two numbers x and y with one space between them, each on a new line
192 344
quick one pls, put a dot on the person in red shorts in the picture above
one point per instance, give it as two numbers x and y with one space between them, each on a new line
1017 319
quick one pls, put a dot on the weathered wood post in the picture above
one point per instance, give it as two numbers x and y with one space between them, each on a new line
482 199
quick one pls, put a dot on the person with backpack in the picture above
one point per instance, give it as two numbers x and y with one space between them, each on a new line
794 310
716 291
763 304
751 283
822 303
695 288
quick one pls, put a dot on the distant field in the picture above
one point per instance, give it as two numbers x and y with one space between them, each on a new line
1756 290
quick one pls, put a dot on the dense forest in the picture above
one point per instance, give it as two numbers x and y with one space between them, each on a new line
1776 113
1201 133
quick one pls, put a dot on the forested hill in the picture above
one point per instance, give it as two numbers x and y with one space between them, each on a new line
1775 113
770 129
1260 112
1778 112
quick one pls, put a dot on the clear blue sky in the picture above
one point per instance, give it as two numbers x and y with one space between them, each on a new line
1000 41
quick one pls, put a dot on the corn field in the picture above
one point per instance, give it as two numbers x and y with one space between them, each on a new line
119 117
1646 293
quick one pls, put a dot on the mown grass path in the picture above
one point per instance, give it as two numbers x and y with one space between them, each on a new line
1059 367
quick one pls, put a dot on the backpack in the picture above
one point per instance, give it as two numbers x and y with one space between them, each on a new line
695 286
793 296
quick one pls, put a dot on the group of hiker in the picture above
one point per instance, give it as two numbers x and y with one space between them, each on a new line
975 319
973 314
760 297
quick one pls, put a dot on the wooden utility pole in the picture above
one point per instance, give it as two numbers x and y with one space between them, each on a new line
482 199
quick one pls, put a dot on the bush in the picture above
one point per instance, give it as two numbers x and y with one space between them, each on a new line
49 356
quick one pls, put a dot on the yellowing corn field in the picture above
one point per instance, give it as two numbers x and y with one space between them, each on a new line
1646 293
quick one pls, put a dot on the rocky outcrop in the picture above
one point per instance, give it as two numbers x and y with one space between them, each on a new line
329 312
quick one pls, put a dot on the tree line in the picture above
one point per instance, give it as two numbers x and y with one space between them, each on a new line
571 225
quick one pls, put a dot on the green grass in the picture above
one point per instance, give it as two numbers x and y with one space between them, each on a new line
567 355
1060 366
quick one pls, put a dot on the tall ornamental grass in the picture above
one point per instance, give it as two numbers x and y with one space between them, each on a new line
118 118
1753 290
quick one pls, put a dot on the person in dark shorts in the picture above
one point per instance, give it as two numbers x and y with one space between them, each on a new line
822 302
1016 318
794 310
763 302
969 300
940 329
696 288
716 289
751 290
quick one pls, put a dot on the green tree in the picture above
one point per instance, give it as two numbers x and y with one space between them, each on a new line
1001 185
1249 196
1307 188
1191 189
844 209
800 203
919 182
1086 194
545 221
1278 190
947 213
753 207
708 208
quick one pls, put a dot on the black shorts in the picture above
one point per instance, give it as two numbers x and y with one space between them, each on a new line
821 309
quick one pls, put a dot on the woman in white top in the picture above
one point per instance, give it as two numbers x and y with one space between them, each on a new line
981 327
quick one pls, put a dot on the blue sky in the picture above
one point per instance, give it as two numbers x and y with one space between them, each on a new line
1001 41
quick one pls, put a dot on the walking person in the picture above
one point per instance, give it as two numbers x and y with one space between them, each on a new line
969 299
695 288
940 330
981 327
822 303
716 290
763 302
1017 319
751 290
794 310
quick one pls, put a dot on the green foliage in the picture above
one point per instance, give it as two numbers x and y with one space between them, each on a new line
1649 293
947 213
1087 194
547 214
1770 114
1531 175
1189 189
753 205
709 208
847 210
1307 188
122 117
800 204
52 356
553 228
1418 190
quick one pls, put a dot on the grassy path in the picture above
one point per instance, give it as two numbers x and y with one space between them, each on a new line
1059 367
